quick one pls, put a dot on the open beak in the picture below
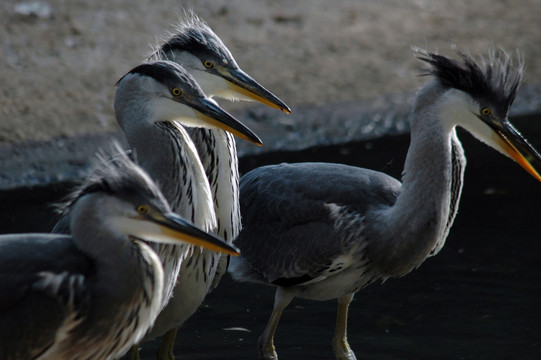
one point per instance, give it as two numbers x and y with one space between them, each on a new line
240 82
516 146
208 111
169 228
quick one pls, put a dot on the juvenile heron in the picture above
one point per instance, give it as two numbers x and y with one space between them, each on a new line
323 231
163 147
93 294
202 53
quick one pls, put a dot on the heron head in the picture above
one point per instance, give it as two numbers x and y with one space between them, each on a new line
162 91
121 198
203 54
477 96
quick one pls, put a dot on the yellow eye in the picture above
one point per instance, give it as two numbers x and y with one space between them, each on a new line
485 111
208 64
142 209
176 91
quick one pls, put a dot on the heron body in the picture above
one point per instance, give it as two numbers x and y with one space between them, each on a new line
323 231
94 293
154 127
163 148
202 53
196 275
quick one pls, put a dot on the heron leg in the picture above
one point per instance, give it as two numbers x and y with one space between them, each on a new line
265 345
165 352
341 348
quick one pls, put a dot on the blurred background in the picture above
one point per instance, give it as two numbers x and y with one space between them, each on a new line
347 70
60 59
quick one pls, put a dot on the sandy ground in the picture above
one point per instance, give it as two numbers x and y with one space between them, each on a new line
59 59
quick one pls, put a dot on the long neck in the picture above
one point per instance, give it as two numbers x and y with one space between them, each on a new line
415 227
218 153
168 154
458 162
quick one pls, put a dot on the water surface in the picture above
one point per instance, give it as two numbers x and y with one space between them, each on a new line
479 298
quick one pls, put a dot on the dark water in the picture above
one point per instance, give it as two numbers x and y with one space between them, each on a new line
479 298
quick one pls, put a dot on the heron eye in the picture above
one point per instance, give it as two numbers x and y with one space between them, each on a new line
176 92
208 64
485 111
142 209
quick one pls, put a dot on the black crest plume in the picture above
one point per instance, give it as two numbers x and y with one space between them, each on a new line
113 172
194 35
494 79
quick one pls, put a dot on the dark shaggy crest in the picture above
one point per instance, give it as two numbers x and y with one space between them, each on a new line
194 35
491 81
115 174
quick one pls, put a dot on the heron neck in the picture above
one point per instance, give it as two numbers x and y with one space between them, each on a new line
168 154
218 153
426 179
415 227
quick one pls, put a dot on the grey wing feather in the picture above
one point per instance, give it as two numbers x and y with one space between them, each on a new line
289 235
30 311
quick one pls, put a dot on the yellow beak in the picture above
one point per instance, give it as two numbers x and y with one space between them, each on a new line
516 146
208 111
240 82
172 229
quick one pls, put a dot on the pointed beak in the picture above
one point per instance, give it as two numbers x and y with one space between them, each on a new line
169 228
208 111
240 82
175 226
518 148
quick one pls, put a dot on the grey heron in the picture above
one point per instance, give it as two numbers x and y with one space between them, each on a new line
151 102
92 294
323 231
164 148
203 54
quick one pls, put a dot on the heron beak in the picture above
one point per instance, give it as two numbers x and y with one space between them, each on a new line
169 228
241 83
209 112
516 146
174 226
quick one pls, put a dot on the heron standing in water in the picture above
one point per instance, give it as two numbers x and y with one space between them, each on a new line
323 231
202 53
93 294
